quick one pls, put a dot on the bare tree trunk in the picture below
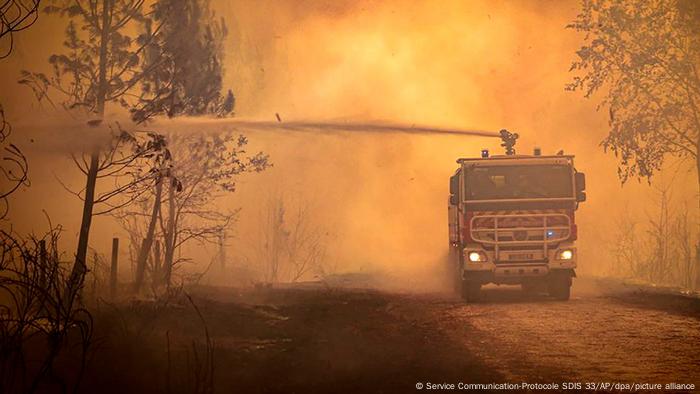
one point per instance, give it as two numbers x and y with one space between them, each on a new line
148 239
277 237
157 267
222 250
169 235
113 271
77 276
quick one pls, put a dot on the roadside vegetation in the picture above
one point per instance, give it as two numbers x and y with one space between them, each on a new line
639 61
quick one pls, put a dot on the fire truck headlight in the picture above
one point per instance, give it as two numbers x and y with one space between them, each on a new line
566 254
476 257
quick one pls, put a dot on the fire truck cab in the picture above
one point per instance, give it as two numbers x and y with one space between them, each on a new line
511 221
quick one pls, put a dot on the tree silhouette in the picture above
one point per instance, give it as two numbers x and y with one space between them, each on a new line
204 168
15 16
643 56
184 54
101 64
164 61
14 168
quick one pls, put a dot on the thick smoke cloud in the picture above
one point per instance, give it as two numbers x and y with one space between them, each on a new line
382 198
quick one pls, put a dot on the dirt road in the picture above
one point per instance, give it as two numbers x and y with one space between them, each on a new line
604 334
343 340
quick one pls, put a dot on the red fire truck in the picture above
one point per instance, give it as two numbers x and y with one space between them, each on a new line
511 221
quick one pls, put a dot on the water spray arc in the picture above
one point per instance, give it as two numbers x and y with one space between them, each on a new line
329 126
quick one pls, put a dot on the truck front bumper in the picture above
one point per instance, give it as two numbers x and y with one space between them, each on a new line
514 265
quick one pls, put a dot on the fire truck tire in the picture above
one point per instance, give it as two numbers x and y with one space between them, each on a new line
471 291
559 287
456 263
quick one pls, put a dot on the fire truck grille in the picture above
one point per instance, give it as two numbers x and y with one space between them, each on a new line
514 248
520 230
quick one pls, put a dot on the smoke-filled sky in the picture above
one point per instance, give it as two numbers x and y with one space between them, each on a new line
382 198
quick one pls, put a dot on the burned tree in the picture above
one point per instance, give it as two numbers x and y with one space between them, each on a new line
184 51
271 240
204 169
290 244
101 65
201 170
306 244
171 67
659 248
154 72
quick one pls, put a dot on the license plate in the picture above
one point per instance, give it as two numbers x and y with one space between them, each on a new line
521 256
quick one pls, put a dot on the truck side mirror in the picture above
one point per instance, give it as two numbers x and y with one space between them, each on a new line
454 184
580 179
454 189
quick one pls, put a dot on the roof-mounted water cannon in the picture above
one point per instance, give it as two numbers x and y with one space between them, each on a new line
509 140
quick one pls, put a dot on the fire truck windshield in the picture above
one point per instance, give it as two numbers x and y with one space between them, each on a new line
518 182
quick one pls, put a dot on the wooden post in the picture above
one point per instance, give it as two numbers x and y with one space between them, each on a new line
113 271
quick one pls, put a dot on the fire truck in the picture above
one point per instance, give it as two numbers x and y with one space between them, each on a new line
512 221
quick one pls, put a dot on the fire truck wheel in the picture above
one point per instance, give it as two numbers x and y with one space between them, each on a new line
471 291
560 287
456 264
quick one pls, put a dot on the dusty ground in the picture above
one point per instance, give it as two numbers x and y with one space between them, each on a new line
316 339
